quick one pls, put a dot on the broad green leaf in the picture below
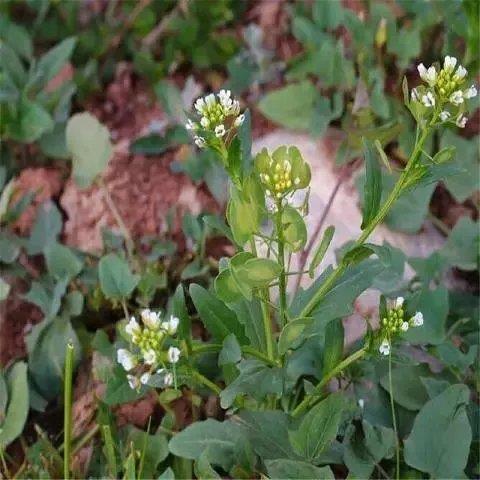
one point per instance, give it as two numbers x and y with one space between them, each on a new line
171 99
62 262
372 192
294 469
53 144
202 468
291 106
290 336
47 295
17 37
116 279
231 351
31 123
155 144
167 474
4 289
17 410
334 339
321 249
227 287
462 247
295 230
249 314
12 65
218 319
88 141
46 228
440 440
52 62
318 428
257 272
328 14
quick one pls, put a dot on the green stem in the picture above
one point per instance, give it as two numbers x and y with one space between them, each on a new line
312 398
247 350
394 420
379 217
282 282
205 381
67 419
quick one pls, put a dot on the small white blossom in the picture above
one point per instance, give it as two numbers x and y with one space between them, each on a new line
126 359
150 357
385 347
132 327
225 100
361 403
133 381
235 108
461 121
404 326
428 100
239 120
414 95
456 97
190 125
150 319
428 75
172 325
399 302
210 100
204 122
418 319
173 354
168 379
145 377
199 142
471 92
200 105
461 72
220 131
449 63
444 115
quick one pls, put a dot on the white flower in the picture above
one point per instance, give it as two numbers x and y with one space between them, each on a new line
444 115
200 105
199 142
172 325
204 122
270 204
461 121
168 379
471 92
150 319
219 131
210 100
126 359
404 326
361 402
235 108
385 347
133 381
414 95
190 125
418 319
449 63
239 120
150 357
145 377
173 354
132 327
399 302
225 100
460 73
456 97
428 75
428 100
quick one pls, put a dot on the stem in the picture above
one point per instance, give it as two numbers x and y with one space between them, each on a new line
394 420
215 347
205 381
311 399
282 283
67 419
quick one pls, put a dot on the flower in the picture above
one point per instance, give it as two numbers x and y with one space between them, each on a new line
225 100
239 120
449 63
399 302
145 377
461 73
150 357
414 95
204 122
173 354
404 326
428 75
200 105
471 92
150 319
361 402
220 131
461 121
417 319
444 115
190 125
168 379
126 359
456 97
172 325
199 141
428 100
133 381
384 348
132 327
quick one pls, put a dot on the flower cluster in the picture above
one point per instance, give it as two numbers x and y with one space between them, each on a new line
445 93
147 351
394 322
217 116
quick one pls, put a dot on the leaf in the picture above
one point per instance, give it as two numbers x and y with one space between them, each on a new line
181 312
116 279
52 62
46 228
321 249
462 247
257 272
334 339
88 141
218 319
328 14
17 410
202 468
291 106
294 469
249 314
47 296
231 351
31 123
441 435
62 262
373 185
155 144
17 37
171 99
290 336
318 428
295 230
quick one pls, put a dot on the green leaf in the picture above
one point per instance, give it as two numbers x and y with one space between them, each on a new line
62 262
291 106
17 410
231 351
47 296
321 249
227 288
295 230
116 279
249 314
290 336
334 339
46 228
155 144
52 62
181 312
373 185
257 272
441 435
218 319
31 123
167 474
202 468
294 469
171 99
328 14
88 141
17 37
462 247
12 65
318 428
